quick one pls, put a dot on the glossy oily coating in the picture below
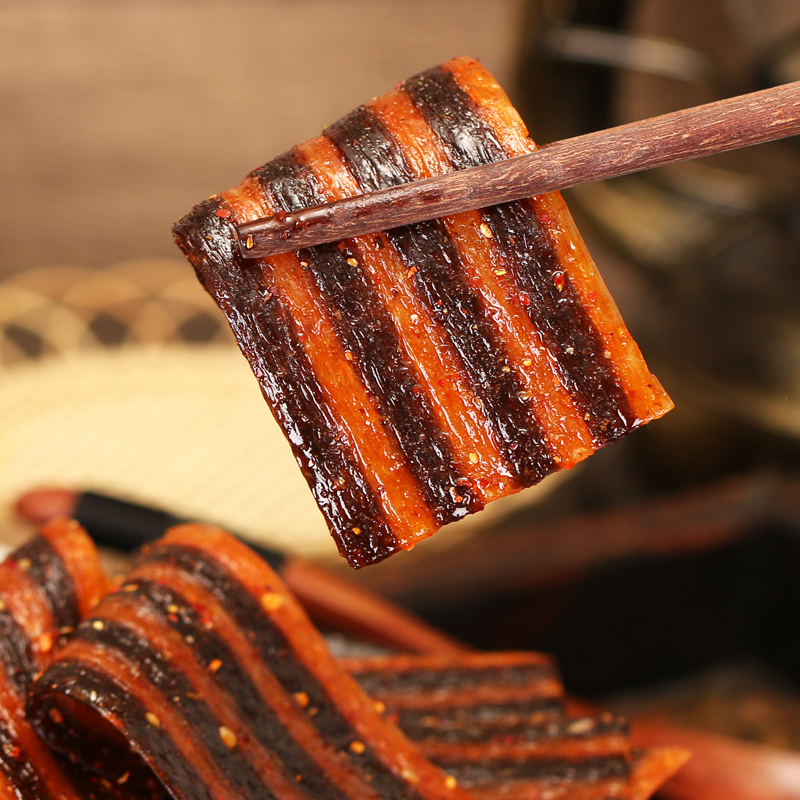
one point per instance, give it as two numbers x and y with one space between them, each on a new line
208 671
497 723
45 587
425 371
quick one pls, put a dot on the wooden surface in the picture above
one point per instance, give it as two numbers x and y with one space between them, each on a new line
119 117
671 138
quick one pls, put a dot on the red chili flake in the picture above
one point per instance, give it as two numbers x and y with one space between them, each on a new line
559 280
524 299
592 297
222 212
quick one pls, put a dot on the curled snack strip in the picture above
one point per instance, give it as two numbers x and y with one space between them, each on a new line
45 586
214 677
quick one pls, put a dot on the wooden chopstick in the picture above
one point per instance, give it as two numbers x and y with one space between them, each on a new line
680 136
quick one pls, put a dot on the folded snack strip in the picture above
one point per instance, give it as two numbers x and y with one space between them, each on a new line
210 672
45 587
422 372
497 723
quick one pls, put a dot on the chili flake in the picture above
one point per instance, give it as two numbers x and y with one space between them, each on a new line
271 601
228 737
302 699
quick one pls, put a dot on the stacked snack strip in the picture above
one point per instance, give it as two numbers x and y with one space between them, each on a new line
498 724
45 587
201 678
204 667
423 372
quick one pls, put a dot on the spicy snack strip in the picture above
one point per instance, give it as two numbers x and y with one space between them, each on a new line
425 371
45 587
202 677
497 723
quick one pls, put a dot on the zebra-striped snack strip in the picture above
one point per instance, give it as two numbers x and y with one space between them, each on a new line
425 371
497 723
209 671
45 587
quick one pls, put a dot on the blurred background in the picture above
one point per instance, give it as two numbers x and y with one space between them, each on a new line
665 572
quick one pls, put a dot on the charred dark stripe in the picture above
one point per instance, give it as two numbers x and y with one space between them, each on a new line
557 313
277 653
376 161
365 328
15 653
21 773
173 684
490 771
100 691
455 118
561 319
420 723
269 339
232 679
48 571
419 680
518 733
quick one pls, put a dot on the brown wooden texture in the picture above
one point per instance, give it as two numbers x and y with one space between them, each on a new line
680 136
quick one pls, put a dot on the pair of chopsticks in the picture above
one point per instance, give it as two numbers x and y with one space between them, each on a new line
668 139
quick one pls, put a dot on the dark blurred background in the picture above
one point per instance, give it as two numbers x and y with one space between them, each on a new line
667 569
